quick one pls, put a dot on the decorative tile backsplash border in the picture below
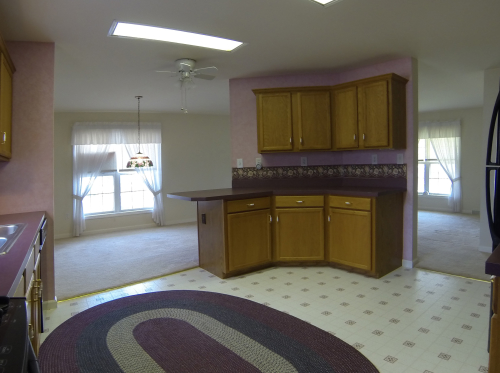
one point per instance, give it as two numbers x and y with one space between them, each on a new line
324 172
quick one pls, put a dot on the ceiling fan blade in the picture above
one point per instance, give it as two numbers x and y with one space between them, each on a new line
165 71
205 76
207 68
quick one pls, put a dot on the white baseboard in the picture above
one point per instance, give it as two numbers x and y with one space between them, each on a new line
409 263
50 304
485 249
120 229
182 221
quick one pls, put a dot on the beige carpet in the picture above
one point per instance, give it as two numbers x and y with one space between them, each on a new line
88 264
449 243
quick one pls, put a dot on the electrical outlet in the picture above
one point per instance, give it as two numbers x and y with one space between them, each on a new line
258 163
303 161
400 158
374 159
239 163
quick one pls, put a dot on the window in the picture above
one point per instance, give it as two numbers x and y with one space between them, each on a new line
117 188
431 177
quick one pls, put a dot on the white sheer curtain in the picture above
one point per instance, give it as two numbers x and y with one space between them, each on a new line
445 140
91 142
87 163
151 177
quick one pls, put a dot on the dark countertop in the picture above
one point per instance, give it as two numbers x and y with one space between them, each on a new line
13 263
242 193
493 263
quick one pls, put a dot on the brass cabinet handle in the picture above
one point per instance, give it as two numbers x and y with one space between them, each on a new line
363 136
270 219
40 288
300 201
354 136
4 138
250 204
348 203
35 293
301 140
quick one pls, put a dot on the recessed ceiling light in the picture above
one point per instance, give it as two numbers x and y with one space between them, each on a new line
131 30
326 2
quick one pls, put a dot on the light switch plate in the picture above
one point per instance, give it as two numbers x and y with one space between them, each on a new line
374 159
400 158
303 161
239 163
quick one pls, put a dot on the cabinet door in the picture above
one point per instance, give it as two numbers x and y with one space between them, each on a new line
314 120
350 238
274 122
345 118
373 111
5 109
248 239
300 234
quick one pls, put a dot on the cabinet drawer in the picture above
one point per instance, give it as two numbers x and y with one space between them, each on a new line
299 201
248 204
354 203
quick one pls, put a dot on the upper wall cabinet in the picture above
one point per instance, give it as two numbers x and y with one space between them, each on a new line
293 119
6 71
365 114
370 114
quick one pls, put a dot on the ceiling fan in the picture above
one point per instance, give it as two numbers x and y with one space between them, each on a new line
185 74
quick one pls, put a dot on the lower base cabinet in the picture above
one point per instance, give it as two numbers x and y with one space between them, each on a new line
299 234
30 287
350 238
248 239
363 234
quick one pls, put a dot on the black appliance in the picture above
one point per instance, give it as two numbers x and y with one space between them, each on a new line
493 176
16 351
493 185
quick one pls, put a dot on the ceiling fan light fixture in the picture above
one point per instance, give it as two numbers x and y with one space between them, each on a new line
132 30
326 2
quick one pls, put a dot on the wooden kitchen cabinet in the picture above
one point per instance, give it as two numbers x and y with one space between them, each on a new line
33 293
350 236
345 118
366 233
6 72
248 239
234 236
299 228
370 114
274 122
293 119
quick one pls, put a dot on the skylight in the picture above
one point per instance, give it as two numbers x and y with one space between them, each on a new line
326 2
131 30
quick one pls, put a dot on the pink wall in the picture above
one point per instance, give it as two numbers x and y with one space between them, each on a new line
27 180
244 128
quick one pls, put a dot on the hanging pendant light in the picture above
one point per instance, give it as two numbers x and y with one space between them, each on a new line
139 160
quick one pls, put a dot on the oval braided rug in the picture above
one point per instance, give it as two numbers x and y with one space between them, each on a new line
193 331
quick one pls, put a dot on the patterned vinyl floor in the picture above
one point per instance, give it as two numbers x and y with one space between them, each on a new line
411 320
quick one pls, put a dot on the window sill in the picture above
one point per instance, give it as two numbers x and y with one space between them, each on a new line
444 196
117 214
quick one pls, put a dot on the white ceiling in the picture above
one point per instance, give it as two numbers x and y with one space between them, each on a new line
453 40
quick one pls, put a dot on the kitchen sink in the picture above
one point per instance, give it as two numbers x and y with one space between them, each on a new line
8 235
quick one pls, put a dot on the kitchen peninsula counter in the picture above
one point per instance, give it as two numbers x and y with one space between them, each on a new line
13 263
245 229
229 194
